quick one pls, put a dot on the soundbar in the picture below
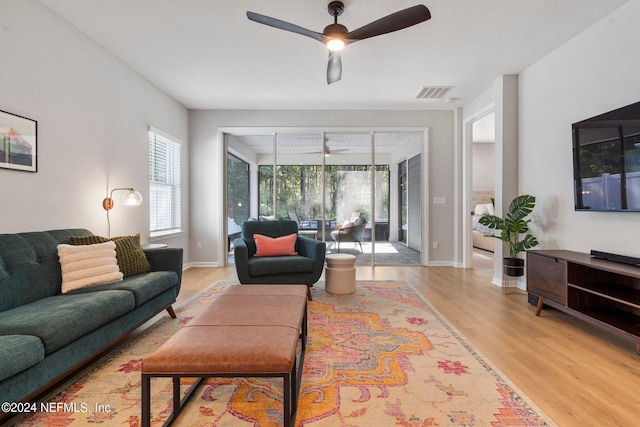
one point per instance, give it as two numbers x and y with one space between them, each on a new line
615 257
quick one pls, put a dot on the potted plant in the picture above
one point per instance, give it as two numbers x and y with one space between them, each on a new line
513 231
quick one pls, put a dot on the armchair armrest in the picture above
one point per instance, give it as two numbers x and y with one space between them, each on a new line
241 258
314 249
166 259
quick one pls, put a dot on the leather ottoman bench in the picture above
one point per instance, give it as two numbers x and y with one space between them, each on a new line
246 331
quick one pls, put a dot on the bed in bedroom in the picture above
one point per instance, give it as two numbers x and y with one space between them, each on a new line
482 205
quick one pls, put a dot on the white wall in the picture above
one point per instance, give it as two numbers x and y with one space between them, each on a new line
595 72
92 112
483 165
483 151
206 165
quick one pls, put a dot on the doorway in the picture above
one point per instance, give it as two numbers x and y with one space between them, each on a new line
482 141
325 180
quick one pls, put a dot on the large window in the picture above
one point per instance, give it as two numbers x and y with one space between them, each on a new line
164 184
323 180
348 188
299 190
237 189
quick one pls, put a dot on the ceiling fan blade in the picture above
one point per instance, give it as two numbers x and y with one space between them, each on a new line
334 67
282 25
390 23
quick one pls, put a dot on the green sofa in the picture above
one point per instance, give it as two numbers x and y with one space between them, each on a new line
44 334
304 268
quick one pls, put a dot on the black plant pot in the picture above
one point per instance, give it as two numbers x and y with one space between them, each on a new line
513 267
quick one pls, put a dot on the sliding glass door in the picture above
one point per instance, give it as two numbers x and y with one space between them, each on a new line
340 187
349 194
238 197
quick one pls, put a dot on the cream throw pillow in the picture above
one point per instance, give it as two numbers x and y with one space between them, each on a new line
89 265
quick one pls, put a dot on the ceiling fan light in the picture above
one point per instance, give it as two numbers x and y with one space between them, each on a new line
335 44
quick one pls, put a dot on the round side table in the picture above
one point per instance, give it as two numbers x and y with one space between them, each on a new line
340 274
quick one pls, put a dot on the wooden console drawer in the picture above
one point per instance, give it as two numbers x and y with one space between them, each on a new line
547 277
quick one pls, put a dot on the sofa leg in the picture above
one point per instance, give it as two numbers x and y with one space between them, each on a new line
309 297
171 312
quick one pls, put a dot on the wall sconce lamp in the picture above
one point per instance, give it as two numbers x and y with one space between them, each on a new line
130 198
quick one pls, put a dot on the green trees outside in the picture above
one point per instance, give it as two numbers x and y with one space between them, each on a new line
298 188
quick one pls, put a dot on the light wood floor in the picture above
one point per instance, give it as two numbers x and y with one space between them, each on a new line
577 374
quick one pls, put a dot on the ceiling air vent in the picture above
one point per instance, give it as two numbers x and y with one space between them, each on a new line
434 92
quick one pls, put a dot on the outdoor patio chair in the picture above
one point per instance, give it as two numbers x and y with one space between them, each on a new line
351 232
303 232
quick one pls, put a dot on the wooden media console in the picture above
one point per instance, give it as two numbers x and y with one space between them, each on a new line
601 292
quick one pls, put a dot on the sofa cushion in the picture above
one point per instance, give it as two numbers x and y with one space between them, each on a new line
29 267
18 352
268 266
60 319
25 269
143 287
131 258
89 265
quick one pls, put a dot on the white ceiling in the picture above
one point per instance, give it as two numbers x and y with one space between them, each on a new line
207 55
336 143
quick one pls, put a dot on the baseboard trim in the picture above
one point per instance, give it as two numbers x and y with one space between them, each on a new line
497 281
201 264
440 264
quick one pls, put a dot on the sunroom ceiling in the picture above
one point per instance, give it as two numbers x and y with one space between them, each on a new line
301 143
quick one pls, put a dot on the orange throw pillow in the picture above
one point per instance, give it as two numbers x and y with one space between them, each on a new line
278 246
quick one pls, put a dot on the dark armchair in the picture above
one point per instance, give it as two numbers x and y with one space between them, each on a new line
304 268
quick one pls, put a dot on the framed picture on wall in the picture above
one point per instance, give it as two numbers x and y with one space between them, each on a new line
18 142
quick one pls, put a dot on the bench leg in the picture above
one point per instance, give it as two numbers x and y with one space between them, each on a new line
176 395
171 312
295 389
286 397
146 400
296 371
178 404
303 333
297 376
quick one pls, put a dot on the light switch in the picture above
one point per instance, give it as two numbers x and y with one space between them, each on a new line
439 200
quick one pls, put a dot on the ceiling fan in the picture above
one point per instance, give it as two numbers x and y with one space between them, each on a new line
327 151
336 36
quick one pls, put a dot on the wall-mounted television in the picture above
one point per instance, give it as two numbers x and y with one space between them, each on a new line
606 161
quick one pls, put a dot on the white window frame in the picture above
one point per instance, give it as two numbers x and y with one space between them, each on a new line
165 168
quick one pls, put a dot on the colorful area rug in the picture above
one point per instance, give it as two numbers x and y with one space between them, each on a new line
380 357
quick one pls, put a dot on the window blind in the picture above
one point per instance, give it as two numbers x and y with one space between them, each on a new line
164 183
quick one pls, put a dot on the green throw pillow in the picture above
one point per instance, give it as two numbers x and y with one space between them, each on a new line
131 258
